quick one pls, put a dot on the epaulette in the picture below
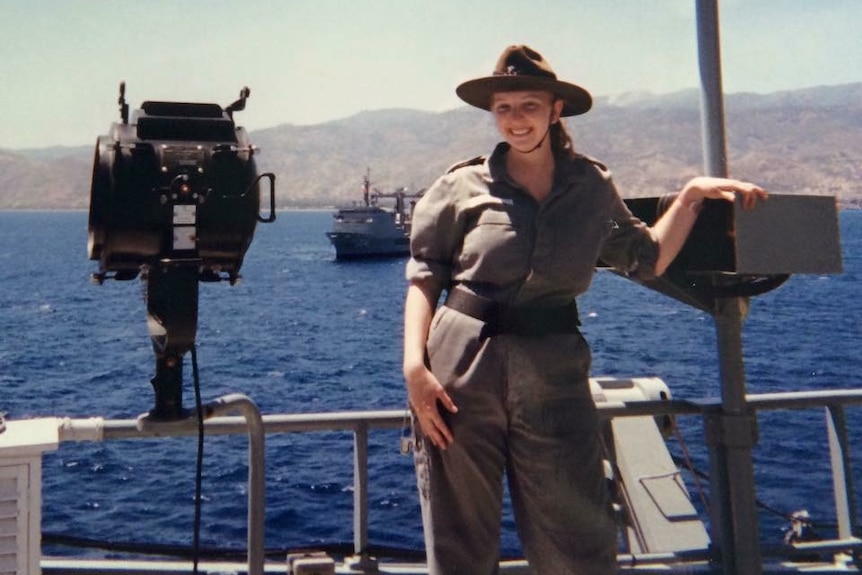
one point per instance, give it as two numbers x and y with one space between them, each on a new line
471 162
603 169
592 160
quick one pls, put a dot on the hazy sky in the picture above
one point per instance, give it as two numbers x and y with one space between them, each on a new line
310 61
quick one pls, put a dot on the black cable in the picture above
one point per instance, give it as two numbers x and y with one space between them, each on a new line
200 459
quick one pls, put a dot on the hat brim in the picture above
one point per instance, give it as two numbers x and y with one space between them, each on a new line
478 92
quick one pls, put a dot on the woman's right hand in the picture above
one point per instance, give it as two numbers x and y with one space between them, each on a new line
426 395
423 389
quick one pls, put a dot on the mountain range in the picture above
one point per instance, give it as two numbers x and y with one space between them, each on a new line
803 141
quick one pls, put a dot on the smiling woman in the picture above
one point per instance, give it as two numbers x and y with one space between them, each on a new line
524 119
497 377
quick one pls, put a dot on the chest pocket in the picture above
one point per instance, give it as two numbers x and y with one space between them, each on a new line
496 242
492 210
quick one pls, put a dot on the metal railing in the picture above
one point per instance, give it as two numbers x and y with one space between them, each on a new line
361 423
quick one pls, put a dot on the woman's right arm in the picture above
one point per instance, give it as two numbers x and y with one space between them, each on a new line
423 389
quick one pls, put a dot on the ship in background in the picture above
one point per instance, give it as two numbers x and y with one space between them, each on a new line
379 227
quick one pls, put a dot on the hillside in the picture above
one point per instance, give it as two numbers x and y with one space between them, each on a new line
802 141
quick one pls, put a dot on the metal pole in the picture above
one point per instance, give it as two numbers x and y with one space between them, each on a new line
711 91
234 403
734 431
256 475
736 436
360 493
842 471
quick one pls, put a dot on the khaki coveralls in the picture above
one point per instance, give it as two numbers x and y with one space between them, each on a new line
524 401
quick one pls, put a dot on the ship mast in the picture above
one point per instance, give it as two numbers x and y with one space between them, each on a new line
734 427
366 187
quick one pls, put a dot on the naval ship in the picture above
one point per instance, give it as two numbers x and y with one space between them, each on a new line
372 230
207 230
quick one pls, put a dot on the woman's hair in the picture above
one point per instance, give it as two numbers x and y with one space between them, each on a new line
561 141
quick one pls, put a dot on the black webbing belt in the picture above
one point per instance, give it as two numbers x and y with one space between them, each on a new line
524 321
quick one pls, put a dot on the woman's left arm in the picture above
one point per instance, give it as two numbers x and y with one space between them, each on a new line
672 229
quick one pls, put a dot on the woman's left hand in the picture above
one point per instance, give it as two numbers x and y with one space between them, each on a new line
706 187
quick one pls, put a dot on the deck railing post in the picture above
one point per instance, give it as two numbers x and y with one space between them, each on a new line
842 472
360 489
242 404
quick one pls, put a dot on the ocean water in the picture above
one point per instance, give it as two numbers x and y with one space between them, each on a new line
305 333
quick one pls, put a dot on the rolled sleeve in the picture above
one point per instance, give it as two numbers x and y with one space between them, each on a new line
433 237
631 246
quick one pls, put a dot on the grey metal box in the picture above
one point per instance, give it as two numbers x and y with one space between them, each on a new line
786 234
789 235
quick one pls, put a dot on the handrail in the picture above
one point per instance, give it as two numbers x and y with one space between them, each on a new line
362 422
253 426
99 429
256 512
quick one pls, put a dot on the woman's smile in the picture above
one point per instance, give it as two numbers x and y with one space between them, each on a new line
523 117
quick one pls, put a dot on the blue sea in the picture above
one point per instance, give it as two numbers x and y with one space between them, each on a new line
306 333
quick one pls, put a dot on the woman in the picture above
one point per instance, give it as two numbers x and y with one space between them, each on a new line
497 377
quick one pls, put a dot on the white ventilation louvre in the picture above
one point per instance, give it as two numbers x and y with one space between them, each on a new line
13 529
21 447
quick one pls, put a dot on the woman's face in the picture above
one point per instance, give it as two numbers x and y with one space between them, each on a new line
523 118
